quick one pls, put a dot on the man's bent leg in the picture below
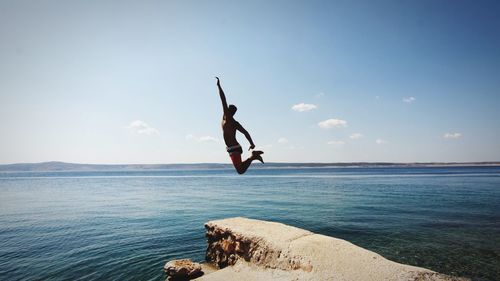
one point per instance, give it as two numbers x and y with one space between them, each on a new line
236 159
241 167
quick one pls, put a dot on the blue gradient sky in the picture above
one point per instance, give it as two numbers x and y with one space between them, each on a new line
133 81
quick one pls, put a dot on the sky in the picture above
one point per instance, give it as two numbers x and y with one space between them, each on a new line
314 81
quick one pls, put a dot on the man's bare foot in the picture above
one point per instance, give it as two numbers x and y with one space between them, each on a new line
256 155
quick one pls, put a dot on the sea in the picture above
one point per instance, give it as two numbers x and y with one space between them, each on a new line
125 225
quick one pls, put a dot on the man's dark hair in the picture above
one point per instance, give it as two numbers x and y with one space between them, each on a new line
232 109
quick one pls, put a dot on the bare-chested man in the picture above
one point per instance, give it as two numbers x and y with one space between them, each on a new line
229 128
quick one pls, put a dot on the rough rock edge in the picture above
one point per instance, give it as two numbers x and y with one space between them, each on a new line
226 246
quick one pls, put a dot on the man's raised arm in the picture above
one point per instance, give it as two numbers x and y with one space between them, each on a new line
222 97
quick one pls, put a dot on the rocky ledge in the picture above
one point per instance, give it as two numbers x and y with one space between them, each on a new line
247 250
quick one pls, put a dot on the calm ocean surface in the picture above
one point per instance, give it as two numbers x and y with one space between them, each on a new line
126 225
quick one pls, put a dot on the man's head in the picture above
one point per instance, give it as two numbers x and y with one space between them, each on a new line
232 109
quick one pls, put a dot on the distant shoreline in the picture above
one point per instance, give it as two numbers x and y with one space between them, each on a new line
76 167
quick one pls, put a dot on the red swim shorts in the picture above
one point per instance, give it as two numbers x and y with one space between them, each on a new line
235 154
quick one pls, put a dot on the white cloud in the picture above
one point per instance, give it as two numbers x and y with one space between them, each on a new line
452 135
302 107
409 99
356 136
380 141
319 95
192 137
332 123
141 127
208 139
336 142
282 140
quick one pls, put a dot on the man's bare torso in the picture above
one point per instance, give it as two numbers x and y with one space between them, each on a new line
229 127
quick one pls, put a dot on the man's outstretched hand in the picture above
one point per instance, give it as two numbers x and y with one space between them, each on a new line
218 82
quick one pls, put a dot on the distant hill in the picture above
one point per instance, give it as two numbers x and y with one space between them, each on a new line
62 166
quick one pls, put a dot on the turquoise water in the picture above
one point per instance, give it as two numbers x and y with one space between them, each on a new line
126 225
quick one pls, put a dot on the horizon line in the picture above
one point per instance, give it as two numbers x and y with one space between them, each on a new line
218 163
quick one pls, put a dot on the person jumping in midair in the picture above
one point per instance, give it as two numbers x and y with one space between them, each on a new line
229 128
